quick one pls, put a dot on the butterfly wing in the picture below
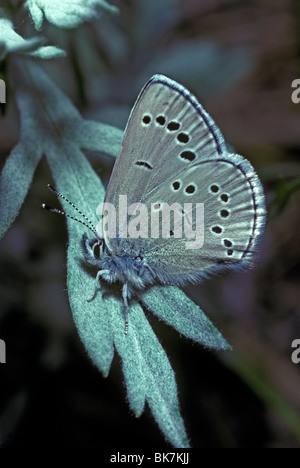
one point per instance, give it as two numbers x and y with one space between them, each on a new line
172 152
162 136
219 202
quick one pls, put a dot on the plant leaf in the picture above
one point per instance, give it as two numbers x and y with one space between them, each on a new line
72 172
13 42
91 133
10 41
148 373
184 315
67 13
46 115
15 183
49 52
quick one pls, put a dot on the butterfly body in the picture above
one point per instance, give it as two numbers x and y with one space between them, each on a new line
121 267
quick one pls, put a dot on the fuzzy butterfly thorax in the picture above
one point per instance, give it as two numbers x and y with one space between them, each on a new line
118 266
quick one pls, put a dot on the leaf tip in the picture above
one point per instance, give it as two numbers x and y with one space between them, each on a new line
186 443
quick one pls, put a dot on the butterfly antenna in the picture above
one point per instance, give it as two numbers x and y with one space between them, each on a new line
125 299
55 210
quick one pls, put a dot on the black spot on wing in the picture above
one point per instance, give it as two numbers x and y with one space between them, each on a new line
144 164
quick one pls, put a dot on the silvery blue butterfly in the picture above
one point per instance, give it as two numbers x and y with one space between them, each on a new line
172 152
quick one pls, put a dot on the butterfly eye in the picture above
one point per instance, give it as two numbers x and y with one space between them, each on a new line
96 247
138 258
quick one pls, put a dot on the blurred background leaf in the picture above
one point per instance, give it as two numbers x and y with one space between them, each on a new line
68 14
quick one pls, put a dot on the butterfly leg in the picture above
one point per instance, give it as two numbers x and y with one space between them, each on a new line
125 299
100 273
142 270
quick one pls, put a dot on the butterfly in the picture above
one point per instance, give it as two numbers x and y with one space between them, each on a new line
173 154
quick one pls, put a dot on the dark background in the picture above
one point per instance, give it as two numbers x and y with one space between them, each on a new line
239 58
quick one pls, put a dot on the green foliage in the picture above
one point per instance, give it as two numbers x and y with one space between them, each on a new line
51 126
283 193
10 42
69 13
188 318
